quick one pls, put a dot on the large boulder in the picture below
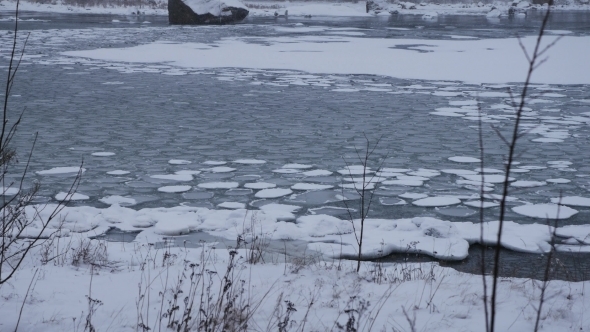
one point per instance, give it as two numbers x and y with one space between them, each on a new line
206 11
376 6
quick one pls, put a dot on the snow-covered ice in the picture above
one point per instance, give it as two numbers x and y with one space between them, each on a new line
572 201
317 172
545 211
174 189
61 170
173 177
249 161
120 200
63 196
232 205
310 186
454 60
118 172
259 185
436 201
219 169
178 162
103 154
273 193
218 185
462 159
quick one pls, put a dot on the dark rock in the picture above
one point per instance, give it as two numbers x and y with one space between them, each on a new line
375 6
180 13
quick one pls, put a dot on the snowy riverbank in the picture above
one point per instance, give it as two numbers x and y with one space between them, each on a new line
297 9
132 285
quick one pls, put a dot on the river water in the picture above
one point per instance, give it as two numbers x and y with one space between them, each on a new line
150 114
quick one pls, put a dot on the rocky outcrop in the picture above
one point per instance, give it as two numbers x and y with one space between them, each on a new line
376 6
519 8
205 11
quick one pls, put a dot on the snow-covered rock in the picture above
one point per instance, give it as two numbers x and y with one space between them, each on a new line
376 6
206 11
494 13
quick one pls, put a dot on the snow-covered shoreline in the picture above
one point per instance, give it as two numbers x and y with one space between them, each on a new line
127 286
294 8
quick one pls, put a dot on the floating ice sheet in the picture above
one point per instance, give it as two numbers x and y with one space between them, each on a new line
62 196
174 189
273 193
62 170
545 211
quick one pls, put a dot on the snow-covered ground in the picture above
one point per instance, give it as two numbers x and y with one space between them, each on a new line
133 286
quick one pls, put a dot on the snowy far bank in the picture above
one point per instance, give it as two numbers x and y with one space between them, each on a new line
294 8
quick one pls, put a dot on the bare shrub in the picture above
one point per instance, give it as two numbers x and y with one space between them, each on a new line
19 233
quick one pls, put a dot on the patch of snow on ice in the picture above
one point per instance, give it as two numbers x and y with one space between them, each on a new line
174 189
61 170
259 185
436 201
232 205
62 196
249 161
120 200
273 193
461 159
545 211
218 185
178 162
572 200
103 154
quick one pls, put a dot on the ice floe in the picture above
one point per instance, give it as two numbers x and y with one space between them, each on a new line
214 162
572 200
62 170
286 171
545 211
436 201
413 195
528 184
259 185
118 172
461 159
297 166
459 171
219 169
273 193
310 186
120 200
558 180
249 161
232 205
218 185
488 178
317 172
178 162
174 189
103 154
62 196
173 177
480 204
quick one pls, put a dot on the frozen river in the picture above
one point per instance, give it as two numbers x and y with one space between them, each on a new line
223 135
